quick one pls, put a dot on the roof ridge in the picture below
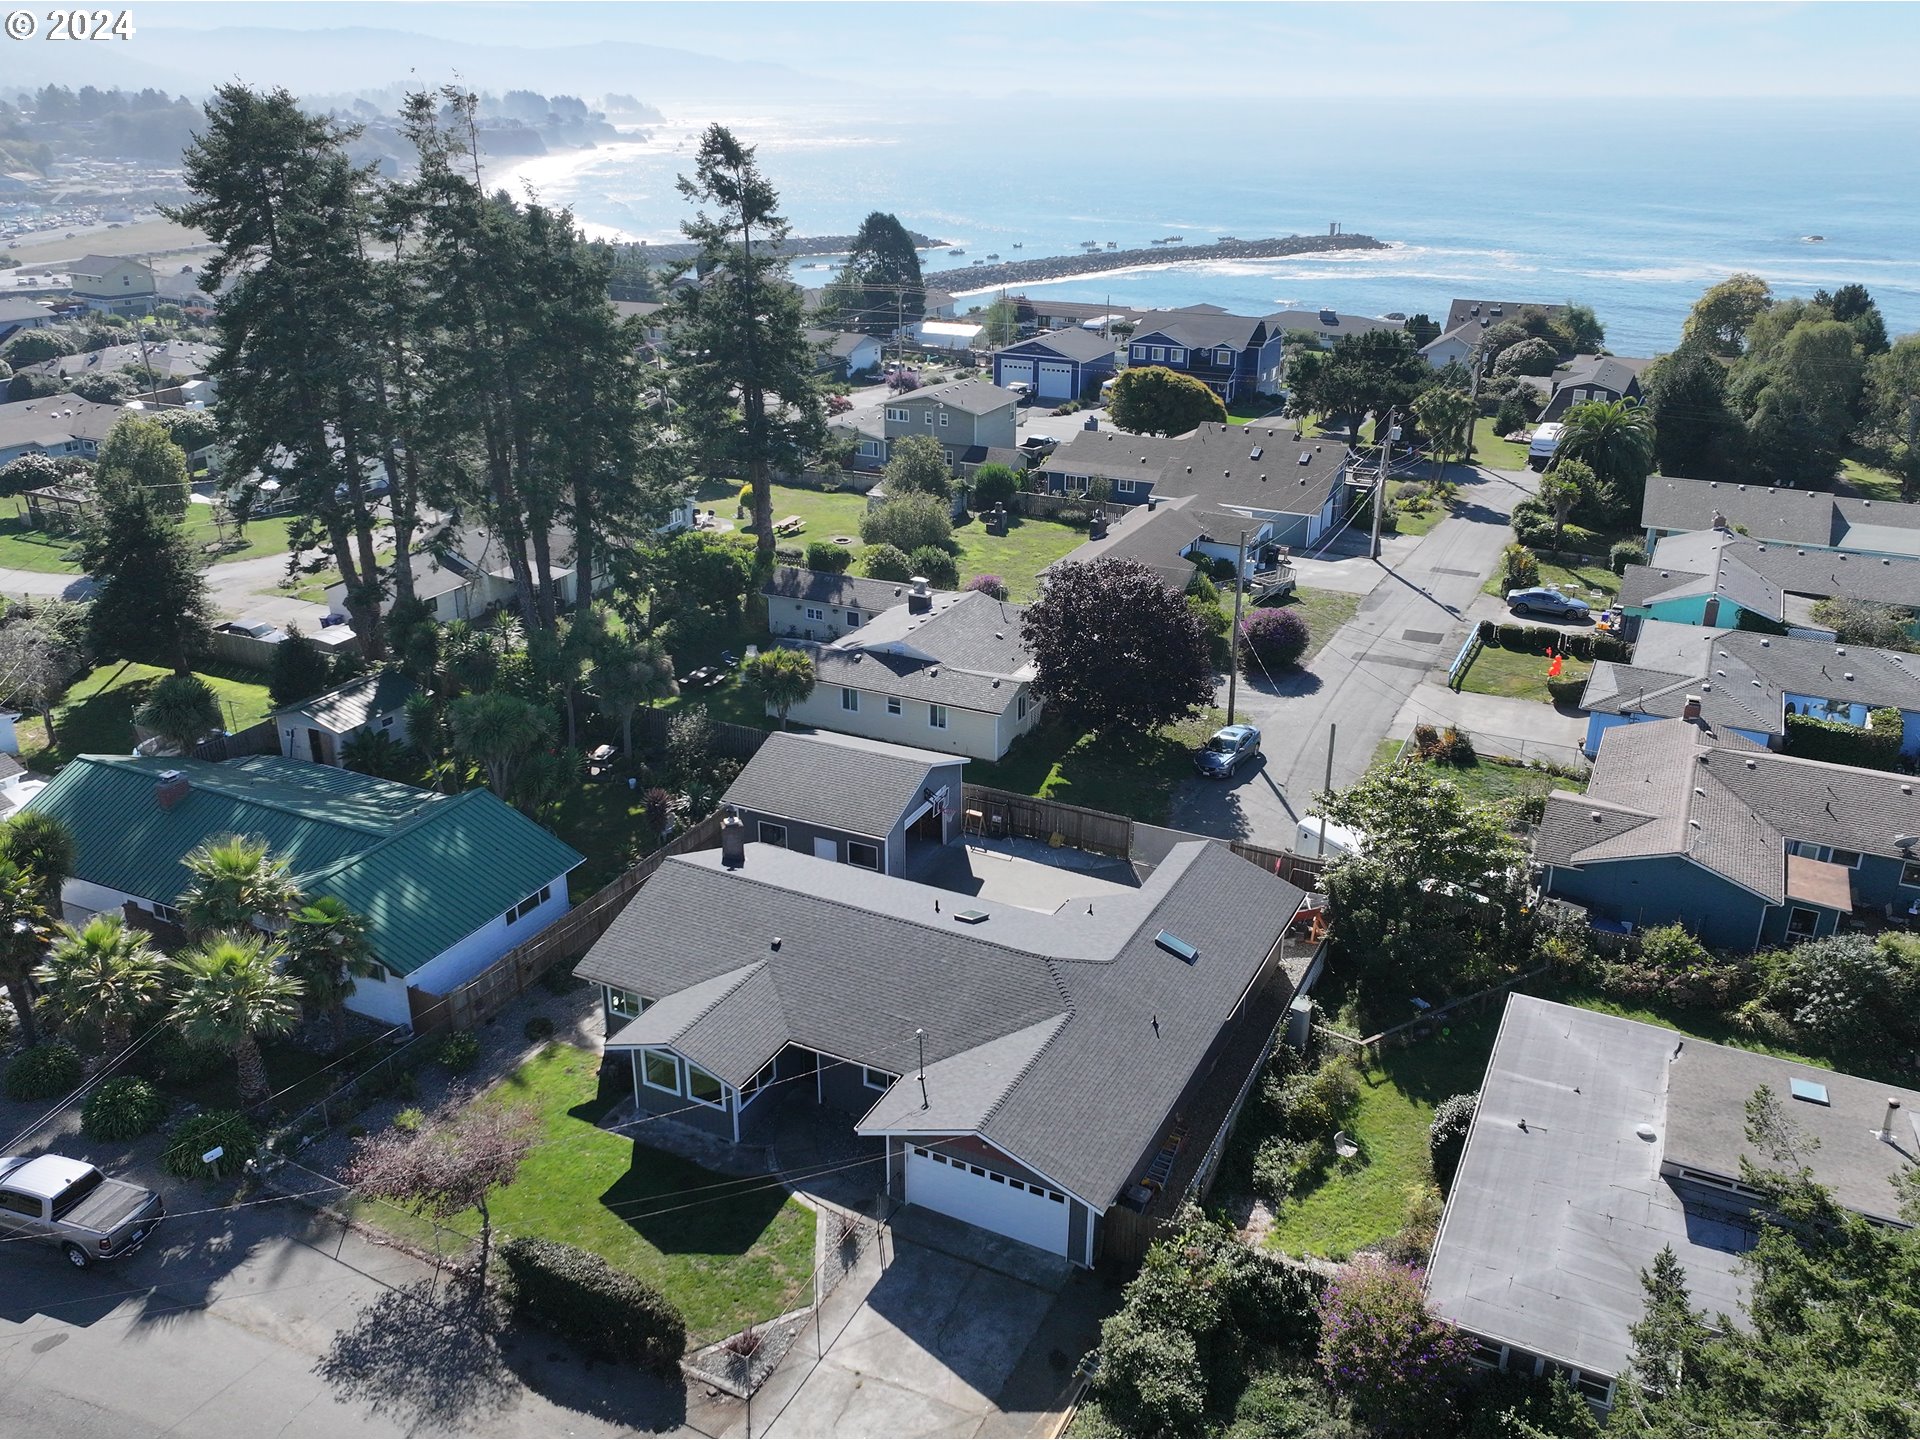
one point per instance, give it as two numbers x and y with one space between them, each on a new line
1059 1023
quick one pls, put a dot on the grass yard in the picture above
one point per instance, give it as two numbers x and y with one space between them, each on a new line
1490 450
727 1251
1590 580
1416 522
1245 412
1367 1199
1325 611
1485 780
43 551
97 716
1516 676
607 823
1870 480
264 537
1101 772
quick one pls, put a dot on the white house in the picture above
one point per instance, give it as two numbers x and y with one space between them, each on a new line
319 729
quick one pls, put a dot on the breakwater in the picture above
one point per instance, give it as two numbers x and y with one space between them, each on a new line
1093 262
794 245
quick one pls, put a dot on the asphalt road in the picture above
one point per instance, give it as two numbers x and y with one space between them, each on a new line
273 1321
1411 619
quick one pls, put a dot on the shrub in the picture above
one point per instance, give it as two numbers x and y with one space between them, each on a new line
43 1072
1277 637
886 562
1456 749
123 1108
409 1120
689 740
746 498
1403 1368
1623 553
224 1130
1199 584
826 556
1875 746
172 1059
1319 1101
994 484
1076 516
908 522
1510 415
1520 568
1566 689
1220 569
1864 622
1426 741
580 1297
988 585
1277 1167
1848 994
539 1028
936 566
458 1051
1447 1136
1669 965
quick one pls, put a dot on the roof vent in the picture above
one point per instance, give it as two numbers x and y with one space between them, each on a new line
1306 457
1174 945
1766 644
1811 1091
1751 764
1594 816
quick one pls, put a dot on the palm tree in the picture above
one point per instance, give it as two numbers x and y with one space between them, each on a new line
23 938
181 709
234 881
498 731
41 844
1446 414
326 948
1562 488
781 677
103 975
630 677
1615 439
231 993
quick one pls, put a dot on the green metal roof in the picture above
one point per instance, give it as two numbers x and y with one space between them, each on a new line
426 869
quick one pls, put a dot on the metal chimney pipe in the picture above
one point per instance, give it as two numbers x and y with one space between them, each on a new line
1886 1125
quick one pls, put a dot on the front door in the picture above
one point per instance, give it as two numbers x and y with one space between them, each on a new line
824 849
317 747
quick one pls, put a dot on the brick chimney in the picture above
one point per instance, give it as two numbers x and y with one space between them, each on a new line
920 598
171 788
1691 711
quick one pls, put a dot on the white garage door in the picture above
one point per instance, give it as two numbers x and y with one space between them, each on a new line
1056 382
1016 372
988 1199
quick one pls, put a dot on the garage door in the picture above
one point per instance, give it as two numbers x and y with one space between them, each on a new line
1056 382
988 1199
1016 372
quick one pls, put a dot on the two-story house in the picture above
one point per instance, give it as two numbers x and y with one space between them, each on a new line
112 282
1233 355
1593 377
1468 320
962 416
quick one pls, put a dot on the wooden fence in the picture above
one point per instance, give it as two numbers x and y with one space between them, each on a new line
569 937
736 742
1005 813
1302 870
260 739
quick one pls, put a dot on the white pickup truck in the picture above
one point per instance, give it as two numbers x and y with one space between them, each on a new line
68 1203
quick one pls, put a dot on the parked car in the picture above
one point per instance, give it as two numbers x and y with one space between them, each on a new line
68 1203
1225 752
1546 601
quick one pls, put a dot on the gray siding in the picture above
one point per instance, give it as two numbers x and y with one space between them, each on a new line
841 1087
682 1110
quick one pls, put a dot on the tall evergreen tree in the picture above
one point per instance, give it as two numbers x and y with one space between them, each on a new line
880 287
746 370
152 603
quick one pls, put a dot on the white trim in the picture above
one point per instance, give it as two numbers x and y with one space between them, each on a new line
645 1079
867 1072
719 1104
765 826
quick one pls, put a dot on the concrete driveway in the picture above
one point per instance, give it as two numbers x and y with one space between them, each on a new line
941 1329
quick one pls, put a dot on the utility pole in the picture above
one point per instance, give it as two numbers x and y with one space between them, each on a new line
1321 849
1380 485
1473 407
1233 636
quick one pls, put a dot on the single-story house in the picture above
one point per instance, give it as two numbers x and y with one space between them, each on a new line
1048 312
1597 1143
171 359
1178 536
56 425
19 312
845 352
1264 471
1685 824
1329 326
461 572
936 670
1058 365
1750 683
1023 1068
1593 377
1805 519
843 798
816 605
957 338
320 728
447 883
1716 577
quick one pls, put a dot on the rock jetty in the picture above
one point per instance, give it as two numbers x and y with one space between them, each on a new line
794 245
1094 262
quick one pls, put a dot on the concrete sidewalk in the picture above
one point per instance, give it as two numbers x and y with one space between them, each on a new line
1524 729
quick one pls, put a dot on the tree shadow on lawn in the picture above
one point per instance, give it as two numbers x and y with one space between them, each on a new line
729 1215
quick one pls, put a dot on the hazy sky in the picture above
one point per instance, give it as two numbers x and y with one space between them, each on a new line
1326 53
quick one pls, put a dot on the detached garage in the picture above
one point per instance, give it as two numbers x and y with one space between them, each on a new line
1059 366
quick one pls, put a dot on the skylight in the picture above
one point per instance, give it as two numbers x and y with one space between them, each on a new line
1174 945
1811 1091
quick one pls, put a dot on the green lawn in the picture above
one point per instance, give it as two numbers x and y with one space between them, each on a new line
1099 772
1417 522
1516 676
1245 412
1366 1199
607 823
39 550
727 1251
1870 481
1485 779
1591 580
264 537
97 715
1325 611
1490 450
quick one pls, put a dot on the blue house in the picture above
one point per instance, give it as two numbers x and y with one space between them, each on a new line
1683 824
1060 365
1749 683
1717 578
1234 355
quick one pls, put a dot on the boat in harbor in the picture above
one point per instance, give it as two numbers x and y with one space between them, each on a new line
993 257
1019 245
956 252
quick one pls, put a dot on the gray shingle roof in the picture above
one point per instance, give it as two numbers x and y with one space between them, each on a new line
1072 344
841 782
1078 1099
1473 312
1617 373
1216 463
818 587
1801 517
1757 573
54 420
976 397
19 307
965 652
1201 331
1319 323
349 706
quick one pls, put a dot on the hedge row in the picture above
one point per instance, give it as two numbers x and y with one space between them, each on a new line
1539 639
1874 747
580 1297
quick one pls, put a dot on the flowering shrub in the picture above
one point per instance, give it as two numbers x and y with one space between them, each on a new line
988 585
1276 637
1402 1367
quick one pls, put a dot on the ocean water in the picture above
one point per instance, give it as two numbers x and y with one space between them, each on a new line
1632 207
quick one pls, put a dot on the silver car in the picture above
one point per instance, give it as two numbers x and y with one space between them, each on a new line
68 1203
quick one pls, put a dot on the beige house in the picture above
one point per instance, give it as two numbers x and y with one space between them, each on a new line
934 669
960 416
112 282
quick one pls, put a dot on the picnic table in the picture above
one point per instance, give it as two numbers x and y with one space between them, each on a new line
792 525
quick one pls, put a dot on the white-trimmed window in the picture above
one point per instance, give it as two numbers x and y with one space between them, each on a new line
876 1079
849 698
1802 922
899 413
1139 352
893 704
937 717
1123 487
863 856
167 913
771 834
625 1004
869 449
853 619
1223 356
927 416
814 612
705 1089
1159 352
531 903
1808 850
947 451
660 1070
943 418
1022 704
1910 874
